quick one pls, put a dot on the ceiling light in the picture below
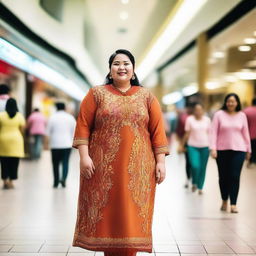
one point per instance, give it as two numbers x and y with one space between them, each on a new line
25 62
123 15
185 13
190 89
218 55
250 40
244 48
211 85
230 79
246 74
172 98
125 1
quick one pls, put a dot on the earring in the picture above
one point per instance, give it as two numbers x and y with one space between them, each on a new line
110 77
133 77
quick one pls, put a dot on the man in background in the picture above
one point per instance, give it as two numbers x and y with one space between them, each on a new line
60 130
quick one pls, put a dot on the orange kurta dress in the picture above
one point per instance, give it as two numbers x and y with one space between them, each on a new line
115 206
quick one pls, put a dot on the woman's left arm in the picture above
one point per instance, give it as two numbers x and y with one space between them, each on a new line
158 138
246 136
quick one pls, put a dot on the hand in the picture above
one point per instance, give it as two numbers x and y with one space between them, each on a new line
160 172
248 156
87 167
214 154
181 149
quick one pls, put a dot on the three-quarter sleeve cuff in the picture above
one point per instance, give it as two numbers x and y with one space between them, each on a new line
161 150
80 141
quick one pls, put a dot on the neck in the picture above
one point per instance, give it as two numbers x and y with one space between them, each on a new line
231 112
198 117
122 85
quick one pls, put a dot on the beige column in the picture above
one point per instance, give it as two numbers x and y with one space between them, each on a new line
202 67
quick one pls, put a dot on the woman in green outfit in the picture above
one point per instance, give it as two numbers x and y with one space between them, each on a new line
197 129
12 124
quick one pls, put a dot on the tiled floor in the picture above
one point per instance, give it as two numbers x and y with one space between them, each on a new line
38 220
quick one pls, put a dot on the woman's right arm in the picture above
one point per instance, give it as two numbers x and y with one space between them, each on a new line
84 126
86 164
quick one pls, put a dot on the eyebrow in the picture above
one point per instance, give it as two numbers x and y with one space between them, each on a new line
121 61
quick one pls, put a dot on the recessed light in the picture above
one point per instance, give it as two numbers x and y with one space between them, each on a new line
244 48
219 55
124 15
125 1
250 40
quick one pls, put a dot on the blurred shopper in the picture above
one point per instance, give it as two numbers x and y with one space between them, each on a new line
60 130
36 125
4 96
12 125
230 144
251 117
122 145
180 132
197 129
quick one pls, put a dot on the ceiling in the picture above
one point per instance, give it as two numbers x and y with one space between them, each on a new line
105 31
183 71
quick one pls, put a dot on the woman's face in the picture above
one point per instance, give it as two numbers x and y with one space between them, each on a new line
231 104
121 69
198 111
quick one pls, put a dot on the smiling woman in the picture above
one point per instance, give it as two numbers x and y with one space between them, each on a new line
122 145
121 65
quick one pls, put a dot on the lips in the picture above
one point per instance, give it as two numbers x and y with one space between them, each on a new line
121 73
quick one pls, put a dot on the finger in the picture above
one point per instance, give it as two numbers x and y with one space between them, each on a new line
93 166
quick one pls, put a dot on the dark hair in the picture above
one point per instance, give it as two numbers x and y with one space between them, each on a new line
254 102
197 103
4 89
108 80
11 107
60 106
238 107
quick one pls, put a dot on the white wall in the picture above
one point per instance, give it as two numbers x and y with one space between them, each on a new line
66 35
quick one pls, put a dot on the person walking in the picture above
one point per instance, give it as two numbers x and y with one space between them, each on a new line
4 96
180 132
251 117
122 145
60 130
197 129
36 125
230 145
12 125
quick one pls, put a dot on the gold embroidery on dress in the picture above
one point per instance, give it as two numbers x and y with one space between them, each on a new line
113 113
109 242
80 141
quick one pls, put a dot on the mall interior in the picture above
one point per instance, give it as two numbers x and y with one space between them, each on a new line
186 51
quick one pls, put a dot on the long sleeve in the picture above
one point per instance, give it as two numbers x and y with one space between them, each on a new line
246 134
156 129
85 120
214 132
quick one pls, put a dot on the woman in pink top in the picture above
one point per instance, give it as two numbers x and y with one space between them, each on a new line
197 129
36 125
230 144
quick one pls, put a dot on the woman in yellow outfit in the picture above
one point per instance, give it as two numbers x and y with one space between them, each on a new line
11 142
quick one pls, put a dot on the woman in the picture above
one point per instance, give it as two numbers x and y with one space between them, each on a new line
122 145
197 128
230 144
12 125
